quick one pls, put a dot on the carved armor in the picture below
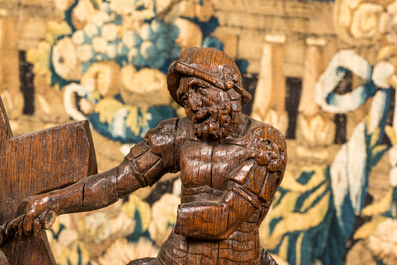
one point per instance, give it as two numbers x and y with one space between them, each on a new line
228 182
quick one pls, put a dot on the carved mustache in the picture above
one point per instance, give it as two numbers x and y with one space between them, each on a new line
201 115
205 113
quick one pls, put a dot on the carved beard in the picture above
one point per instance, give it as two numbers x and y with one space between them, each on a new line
213 123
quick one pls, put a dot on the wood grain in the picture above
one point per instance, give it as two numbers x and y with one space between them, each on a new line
37 163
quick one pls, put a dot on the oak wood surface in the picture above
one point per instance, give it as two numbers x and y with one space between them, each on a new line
37 163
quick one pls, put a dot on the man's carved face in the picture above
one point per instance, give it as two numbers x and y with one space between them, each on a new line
208 107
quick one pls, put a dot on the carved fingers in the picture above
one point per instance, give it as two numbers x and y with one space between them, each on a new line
26 225
34 216
31 208
38 215
267 149
12 229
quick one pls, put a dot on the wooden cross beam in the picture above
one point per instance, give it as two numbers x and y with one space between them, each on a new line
37 163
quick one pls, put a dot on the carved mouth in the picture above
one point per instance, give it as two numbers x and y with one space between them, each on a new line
201 116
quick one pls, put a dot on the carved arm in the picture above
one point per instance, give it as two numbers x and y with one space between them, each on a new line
146 163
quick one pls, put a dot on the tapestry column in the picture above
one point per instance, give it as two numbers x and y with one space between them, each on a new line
269 102
315 129
9 69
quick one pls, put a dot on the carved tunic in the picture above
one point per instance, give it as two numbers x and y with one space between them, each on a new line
227 188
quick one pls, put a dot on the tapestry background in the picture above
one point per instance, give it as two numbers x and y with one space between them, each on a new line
322 72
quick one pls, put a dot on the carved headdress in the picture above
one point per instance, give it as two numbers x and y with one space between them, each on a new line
210 65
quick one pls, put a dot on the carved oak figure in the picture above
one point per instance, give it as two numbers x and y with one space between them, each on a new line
230 164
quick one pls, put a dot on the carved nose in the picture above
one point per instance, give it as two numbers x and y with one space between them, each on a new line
195 103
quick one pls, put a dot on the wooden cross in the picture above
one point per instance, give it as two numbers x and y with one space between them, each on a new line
38 163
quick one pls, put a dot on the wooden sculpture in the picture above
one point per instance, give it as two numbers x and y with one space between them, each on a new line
230 164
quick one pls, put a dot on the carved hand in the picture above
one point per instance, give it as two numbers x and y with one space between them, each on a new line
266 150
37 214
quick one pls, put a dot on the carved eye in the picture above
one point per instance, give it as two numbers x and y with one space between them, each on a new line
199 89
268 144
